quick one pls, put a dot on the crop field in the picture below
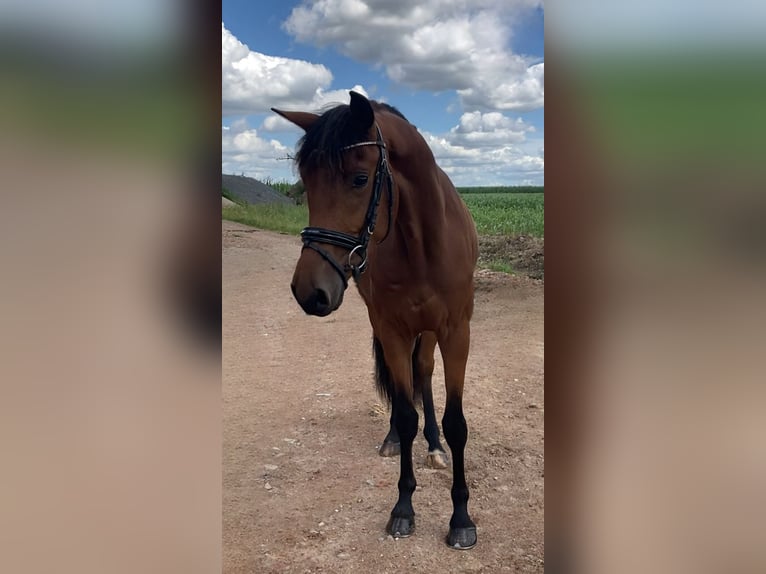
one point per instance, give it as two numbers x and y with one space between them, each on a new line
501 189
507 213
503 219
495 213
274 217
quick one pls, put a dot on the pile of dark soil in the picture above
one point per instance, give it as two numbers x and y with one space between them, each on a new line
525 254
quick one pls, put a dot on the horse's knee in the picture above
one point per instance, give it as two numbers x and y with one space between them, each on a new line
454 426
406 420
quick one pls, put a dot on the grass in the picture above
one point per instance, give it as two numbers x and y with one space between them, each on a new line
507 214
228 195
499 213
502 189
499 265
274 217
494 213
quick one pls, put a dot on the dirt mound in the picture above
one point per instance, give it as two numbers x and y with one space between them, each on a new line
251 190
525 254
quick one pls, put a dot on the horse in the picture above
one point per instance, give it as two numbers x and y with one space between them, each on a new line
415 277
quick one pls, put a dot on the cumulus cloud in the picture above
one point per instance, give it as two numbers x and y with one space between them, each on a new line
489 149
484 148
490 129
522 92
243 150
253 82
321 101
432 45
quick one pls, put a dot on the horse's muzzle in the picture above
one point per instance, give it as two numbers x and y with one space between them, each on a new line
317 301
316 286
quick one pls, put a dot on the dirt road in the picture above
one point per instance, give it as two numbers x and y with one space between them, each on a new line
304 487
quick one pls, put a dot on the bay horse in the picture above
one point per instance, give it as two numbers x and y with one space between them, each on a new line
415 277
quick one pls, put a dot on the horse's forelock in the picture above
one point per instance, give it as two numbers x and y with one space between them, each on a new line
322 144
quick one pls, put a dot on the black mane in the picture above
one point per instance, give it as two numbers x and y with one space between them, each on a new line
323 142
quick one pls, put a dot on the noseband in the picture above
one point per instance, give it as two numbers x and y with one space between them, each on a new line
355 244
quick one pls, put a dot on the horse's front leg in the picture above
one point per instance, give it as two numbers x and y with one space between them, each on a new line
454 349
397 351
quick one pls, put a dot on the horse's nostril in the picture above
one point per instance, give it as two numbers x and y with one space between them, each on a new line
321 298
316 303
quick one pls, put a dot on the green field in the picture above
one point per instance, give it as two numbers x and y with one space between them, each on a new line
507 213
274 217
499 214
496 213
502 189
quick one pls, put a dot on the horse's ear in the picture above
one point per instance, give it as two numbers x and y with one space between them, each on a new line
303 120
361 111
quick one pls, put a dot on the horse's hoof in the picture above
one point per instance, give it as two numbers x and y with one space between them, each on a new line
462 538
436 459
401 526
390 449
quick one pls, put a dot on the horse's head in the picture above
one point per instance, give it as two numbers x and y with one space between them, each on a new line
339 178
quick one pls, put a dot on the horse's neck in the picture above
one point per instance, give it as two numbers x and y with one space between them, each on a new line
419 192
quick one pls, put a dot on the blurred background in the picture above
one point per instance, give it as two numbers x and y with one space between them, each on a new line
656 226
110 289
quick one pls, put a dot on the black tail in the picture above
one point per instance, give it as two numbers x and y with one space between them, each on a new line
383 381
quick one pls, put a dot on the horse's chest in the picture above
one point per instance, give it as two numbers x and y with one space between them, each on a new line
418 311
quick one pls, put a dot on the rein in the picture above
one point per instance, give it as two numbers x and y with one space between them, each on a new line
356 244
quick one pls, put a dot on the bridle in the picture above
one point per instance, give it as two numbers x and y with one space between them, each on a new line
355 244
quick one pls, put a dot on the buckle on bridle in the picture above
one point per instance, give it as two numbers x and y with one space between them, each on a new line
357 270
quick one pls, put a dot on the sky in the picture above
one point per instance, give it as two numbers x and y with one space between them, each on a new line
467 73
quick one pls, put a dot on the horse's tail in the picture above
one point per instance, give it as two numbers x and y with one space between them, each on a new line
383 381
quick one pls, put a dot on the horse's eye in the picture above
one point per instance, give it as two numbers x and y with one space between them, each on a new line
360 180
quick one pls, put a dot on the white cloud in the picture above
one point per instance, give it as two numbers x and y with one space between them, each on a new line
522 92
488 130
253 82
489 149
275 123
486 147
432 45
482 149
322 100
243 150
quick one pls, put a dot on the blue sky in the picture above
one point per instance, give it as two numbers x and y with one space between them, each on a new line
467 73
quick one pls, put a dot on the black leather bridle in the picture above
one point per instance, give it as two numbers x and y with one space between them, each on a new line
355 244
